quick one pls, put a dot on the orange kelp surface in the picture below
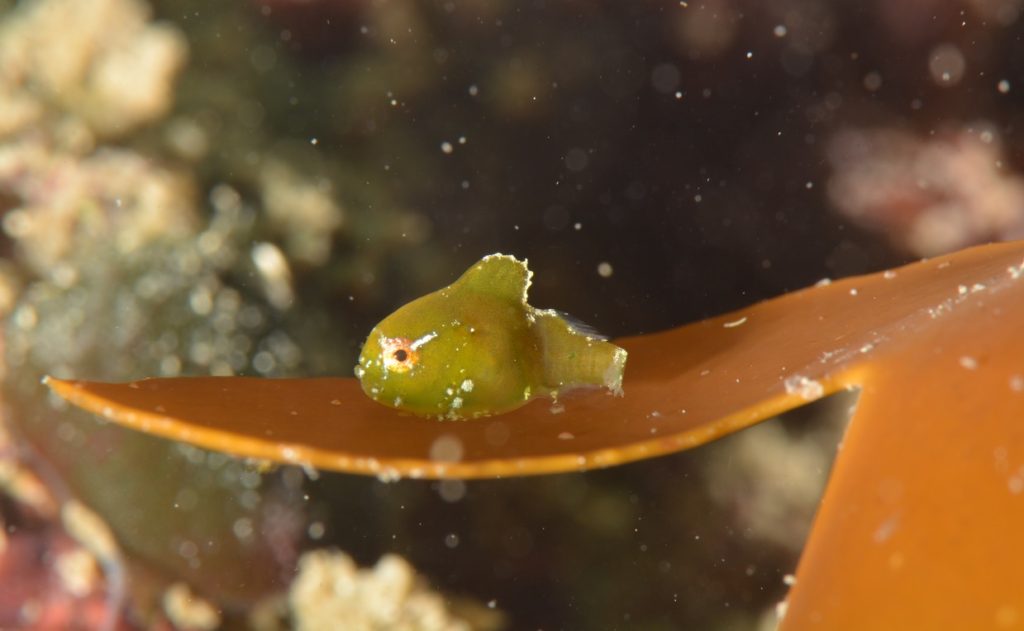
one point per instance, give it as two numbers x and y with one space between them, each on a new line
683 387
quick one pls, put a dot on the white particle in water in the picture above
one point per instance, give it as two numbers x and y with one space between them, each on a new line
446 448
451 491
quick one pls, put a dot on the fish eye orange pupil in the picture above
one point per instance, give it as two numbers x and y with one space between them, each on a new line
401 355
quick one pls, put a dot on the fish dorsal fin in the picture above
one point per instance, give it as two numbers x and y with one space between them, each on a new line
500 275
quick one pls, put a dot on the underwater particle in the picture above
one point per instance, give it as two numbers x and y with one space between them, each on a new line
946 64
779 30
451 540
872 81
446 448
604 269
576 159
451 491
1003 86
476 348
316 530
969 363
242 528
446 147
665 78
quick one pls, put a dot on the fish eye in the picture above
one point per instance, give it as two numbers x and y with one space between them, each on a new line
398 354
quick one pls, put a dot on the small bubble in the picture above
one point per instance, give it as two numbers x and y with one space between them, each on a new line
872 81
604 269
947 65
665 78
576 159
316 530
451 540
451 491
242 528
446 147
446 448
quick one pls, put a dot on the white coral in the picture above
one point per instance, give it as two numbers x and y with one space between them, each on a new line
100 61
330 592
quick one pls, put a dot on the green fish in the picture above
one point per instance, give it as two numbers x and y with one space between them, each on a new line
476 348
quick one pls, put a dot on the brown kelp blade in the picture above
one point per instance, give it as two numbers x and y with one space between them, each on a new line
683 387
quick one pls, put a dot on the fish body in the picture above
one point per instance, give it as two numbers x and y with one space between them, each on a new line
476 348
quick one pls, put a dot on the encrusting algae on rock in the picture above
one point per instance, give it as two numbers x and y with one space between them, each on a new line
476 348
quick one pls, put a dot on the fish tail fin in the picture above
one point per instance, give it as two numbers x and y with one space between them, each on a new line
572 358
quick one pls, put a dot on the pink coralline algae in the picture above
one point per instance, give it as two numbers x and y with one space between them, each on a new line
927 196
